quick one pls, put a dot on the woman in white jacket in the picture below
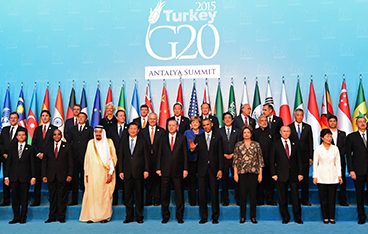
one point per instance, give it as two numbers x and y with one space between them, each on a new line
327 174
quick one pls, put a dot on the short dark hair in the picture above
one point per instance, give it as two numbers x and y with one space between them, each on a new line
171 120
299 109
21 130
77 106
83 113
45 111
206 103
178 104
14 113
268 105
332 117
324 132
116 114
144 106
133 123
227 113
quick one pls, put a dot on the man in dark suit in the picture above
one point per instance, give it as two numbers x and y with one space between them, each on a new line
229 137
183 122
172 167
143 119
244 118
117 132
71 122
7 139
78 140
133 169
274 122
265 189
57 171
339 139
19 174
205 110
302 134
41 138
210 166
357 158
153 135
286 170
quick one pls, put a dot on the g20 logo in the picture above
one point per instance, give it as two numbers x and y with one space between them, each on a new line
196 38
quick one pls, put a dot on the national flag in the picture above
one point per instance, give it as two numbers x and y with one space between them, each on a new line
360 109
58 119
72 102
206 95
313 115
46 100
326 110
193 106
179 98
121 104
244 96
108 98
83 102
257 105
218 111
134 106
298 101
21 110
6 110
343 111
269 97
96 113
232 105
32 117
148 98
284 106
164 108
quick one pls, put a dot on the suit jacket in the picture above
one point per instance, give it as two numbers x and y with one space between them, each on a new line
5 142
305 142
264 138
229 145
138 121
282 166
38 142
341 140
213 158
172 163
153 148
78 141
276 126
69 123
57 168
20 169
184 123
106 123
214 121
113 134
133 165
239 123
356 154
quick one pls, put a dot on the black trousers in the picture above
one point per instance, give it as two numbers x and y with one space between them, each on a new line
77 180
38 184
342 192
6 189
304 184
248 186
133 194
58 192
265 189
192 183
360 184
209 180
283 199
19 191
153 183
118 187
327 197
226 180
179 196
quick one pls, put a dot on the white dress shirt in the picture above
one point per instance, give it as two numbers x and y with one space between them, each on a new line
334 136
326 164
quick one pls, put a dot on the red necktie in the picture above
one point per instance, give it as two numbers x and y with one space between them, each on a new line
44 132
172 143
287 149
56 151
245 121
75 122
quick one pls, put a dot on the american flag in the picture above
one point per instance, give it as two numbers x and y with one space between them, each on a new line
193 106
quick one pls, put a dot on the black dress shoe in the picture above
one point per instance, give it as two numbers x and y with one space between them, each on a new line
13 221
61 220
5 204
89 221
157 203
180 221
242 220
165 220
344 203
22 221
306 204
73 203
299 221
253 220
225 203
35 204
361 221
260 203
140 221
215 221
271 203
332 221
104 221
202 221
128 221
50 220
148 203
285 221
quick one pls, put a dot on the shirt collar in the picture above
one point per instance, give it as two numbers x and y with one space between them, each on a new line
131 138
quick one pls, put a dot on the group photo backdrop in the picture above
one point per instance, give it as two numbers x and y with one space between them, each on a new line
58 42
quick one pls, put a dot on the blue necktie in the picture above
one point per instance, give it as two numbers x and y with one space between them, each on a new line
299 132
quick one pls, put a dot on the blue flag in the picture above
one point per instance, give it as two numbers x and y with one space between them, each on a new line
83 102
134 107
96 113
193 106
21 110
6 110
